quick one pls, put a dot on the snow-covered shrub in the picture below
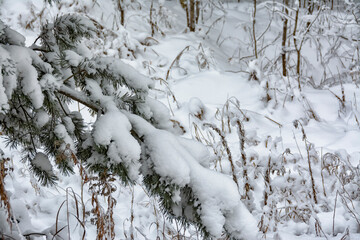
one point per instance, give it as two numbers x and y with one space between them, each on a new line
240 169
297 189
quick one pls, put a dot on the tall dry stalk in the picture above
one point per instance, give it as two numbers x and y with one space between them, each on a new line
308 147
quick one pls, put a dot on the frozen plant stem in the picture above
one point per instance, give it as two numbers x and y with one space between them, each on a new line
310 171
241 133
333 222
307 146
321 173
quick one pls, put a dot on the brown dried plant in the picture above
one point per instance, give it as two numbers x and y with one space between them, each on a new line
103 186
4 199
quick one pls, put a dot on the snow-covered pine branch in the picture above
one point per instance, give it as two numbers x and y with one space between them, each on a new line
131 135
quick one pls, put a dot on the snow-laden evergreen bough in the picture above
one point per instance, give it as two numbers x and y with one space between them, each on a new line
132 135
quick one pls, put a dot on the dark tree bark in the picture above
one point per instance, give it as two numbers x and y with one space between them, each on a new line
254 35
192 15
192 9
122 11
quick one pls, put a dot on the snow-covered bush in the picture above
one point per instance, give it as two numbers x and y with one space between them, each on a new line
297 190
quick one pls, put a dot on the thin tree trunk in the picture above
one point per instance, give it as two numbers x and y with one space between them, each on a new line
186 7
284 37
254 35
192 9
297 48
122 12
197 6
151 19
192 16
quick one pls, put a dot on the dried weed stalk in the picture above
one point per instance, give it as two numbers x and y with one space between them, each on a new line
4 199
103 186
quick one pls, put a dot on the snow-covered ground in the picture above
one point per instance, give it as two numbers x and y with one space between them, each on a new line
197 73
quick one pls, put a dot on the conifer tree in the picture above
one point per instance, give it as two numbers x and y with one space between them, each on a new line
132 134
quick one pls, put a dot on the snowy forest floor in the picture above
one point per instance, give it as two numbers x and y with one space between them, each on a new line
205 79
